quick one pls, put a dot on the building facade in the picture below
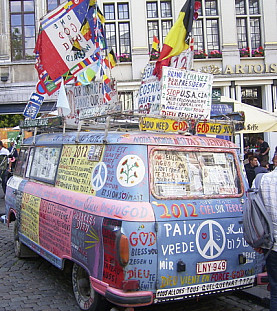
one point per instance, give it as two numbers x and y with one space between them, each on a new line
236 40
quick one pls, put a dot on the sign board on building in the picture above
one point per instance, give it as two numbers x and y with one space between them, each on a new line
186 94
220 108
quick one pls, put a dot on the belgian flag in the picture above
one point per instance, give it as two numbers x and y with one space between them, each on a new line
110 59
176 39
155 44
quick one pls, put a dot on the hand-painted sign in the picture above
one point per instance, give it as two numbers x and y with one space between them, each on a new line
214 128
149 94
163 125
186 94
88 101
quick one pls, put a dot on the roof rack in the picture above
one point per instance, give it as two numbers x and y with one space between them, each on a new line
130 121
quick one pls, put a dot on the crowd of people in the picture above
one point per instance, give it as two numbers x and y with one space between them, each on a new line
255 163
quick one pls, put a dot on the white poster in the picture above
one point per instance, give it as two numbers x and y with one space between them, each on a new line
186 94
149 94
88 101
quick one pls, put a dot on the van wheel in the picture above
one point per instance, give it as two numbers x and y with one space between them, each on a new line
20 249
88 299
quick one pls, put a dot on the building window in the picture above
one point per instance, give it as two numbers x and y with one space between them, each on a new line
252 96
52 4
206 30
117 28
159 20
248 19
22 21
126 99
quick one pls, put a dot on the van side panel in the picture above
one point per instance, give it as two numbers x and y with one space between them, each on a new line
118 172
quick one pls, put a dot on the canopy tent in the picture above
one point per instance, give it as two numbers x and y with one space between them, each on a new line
256 120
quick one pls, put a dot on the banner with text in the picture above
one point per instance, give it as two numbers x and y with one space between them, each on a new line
186 94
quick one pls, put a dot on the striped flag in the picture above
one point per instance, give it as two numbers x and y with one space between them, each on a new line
176 39
110 59
155 44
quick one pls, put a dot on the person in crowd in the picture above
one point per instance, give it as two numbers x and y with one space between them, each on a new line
246 157
262 168
264 149
250 169
4 154
13 155
268 186
274 163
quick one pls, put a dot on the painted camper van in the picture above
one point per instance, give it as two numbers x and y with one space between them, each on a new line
141 217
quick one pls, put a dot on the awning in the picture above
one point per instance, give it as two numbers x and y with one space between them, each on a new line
256 120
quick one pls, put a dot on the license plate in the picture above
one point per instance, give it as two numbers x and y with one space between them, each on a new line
211 266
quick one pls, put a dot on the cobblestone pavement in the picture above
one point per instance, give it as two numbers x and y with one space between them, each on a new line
34 284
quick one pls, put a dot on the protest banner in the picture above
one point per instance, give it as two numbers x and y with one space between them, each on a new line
186 94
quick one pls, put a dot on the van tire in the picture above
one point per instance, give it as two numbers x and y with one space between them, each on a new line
87 298
20 249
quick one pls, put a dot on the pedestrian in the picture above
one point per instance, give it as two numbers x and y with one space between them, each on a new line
246 157
268 188
262 168
274 163
4 153
250 169
13 155
264 149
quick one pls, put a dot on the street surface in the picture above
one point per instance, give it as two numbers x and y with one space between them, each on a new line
34 284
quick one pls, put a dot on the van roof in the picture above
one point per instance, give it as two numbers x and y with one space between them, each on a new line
133 138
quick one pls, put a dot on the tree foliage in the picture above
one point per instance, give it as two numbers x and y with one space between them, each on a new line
10 120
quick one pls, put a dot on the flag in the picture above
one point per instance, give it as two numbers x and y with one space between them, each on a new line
76 46
175 41
86 30
62 101
110 59
66 43
155 44
155 51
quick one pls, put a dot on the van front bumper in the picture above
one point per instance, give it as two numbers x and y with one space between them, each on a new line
120 297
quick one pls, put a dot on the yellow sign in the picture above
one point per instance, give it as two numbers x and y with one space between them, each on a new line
30 217
214 128
163 125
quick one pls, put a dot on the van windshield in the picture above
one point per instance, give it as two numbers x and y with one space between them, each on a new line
177 173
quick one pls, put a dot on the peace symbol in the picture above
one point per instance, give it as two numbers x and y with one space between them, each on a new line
215 235
99 176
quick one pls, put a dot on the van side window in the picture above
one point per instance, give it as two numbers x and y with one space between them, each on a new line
21 162
30 160
179 174
45 163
